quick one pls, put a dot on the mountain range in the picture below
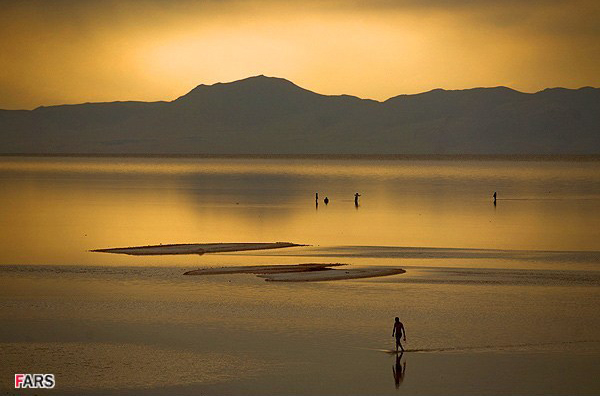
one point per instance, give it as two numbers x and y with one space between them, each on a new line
267 115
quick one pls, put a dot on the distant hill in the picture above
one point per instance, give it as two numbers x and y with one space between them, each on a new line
265 115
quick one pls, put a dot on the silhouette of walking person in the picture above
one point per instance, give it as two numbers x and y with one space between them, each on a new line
356 199
399 332
494 197
399 371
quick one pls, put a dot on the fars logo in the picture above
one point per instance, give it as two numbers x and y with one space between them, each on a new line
43 381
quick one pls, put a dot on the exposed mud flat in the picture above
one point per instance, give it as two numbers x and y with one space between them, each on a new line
332 274
309 272
194 248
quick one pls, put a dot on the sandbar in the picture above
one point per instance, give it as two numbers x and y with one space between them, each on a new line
331 274
310 272
263 269
194 248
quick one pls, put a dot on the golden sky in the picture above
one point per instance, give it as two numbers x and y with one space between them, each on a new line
72 51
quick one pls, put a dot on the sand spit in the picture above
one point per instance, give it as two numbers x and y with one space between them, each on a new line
263 269
195 248
331 274
311 272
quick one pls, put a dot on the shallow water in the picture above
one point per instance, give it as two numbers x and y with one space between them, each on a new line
58 208
503 300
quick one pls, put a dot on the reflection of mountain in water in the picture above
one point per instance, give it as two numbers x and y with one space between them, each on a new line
272 115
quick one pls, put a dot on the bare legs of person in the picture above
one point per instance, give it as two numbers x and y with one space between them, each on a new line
399 344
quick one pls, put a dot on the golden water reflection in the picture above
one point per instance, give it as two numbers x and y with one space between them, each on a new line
54 210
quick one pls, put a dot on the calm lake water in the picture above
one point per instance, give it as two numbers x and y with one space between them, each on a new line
497 298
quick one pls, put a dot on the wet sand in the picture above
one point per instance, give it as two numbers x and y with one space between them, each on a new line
263 269
331 275
310 272
194 248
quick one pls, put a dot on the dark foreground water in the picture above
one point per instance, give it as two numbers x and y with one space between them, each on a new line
496 299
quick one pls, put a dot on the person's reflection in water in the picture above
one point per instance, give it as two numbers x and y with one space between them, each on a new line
399 370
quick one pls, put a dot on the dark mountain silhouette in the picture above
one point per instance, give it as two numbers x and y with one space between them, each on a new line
264 115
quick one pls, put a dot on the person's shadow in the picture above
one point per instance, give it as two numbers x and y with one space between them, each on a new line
399 370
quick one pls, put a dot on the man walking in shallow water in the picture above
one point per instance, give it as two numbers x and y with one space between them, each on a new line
399 331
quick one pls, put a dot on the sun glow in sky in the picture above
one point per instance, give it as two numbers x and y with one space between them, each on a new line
76 51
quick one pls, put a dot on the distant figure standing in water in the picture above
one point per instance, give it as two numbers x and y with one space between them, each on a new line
494 196
399 332
326 200
356 199
317 197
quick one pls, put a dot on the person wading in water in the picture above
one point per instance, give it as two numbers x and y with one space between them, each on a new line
399 332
